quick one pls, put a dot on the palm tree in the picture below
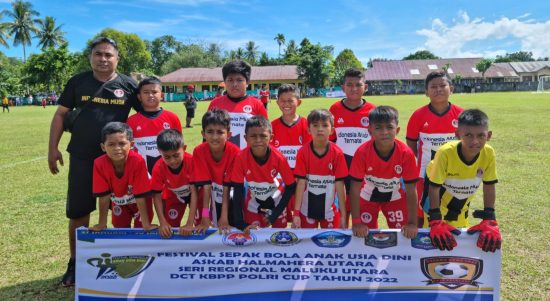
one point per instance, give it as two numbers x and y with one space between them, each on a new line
4 36
22 25
239 53
251 52
280 38
48 34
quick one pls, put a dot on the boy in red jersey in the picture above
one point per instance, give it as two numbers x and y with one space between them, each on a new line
236 76
376 173
264 96
171 184
212 162
120 177
290 131
147 124
351 120
260 165
320 170
430 127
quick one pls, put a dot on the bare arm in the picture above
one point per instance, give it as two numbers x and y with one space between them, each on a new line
56 131
414 146
433 194
144 215
359 229
489 195
299 195
103 212
165 229
410 229
189 225
341 192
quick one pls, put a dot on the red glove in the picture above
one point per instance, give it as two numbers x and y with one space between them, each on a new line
441 235
489 239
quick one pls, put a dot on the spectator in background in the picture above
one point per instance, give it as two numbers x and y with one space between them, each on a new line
190 105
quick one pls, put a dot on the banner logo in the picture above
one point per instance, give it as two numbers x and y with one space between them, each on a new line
120 266
451 271
381 240
422 241
331 239
239 239
283 238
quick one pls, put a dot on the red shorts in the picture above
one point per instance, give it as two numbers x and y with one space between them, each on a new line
122 216
396 213
252 218
331 223
174 210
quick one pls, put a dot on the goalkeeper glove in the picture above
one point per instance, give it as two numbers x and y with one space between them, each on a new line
441 233
489 239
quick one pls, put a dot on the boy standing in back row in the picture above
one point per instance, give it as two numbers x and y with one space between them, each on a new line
351 121
236 76
431 126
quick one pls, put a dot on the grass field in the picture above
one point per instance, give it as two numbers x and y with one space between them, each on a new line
32 201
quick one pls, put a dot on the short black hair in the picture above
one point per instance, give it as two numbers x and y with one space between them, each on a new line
320 115
237 67
149 81
353 72
216 117
114 127
169 139
100 40
258 121
437 74
288 88
473 117
384 114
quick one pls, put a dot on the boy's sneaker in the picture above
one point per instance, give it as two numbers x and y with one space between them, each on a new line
69 276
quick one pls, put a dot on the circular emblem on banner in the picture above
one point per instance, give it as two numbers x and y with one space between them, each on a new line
239 239
117 210
283 238
118 93
398 169
247 109
454 123
365 121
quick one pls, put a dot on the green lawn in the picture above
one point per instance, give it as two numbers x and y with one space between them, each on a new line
32 208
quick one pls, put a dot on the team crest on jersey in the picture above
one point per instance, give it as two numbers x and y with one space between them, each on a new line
479 173
117 210
454 123
398 169
130 189
365 121
283 238
330 166
173 213
366 217
273 172
239 239
340 120
451 271
166 125
276 143
247 109
118 93
300 139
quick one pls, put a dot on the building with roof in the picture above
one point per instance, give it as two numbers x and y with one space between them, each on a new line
208 79
408 76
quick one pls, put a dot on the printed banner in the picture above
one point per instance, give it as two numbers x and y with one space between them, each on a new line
281 264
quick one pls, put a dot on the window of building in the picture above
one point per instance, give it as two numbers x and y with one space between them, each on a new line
414 71
432 67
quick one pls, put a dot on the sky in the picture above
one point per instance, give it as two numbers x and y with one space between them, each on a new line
372 29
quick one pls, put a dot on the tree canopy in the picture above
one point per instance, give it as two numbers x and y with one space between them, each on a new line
421 55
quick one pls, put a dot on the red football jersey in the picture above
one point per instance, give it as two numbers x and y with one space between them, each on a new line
173 184
133 183
288 139
381 176
431 130
321 172
350 126
146 130
264 96
239 112
206 171
262 180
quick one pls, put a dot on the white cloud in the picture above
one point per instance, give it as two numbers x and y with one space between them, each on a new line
456 40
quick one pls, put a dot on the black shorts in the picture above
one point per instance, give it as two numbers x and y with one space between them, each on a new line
80 197
190 113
